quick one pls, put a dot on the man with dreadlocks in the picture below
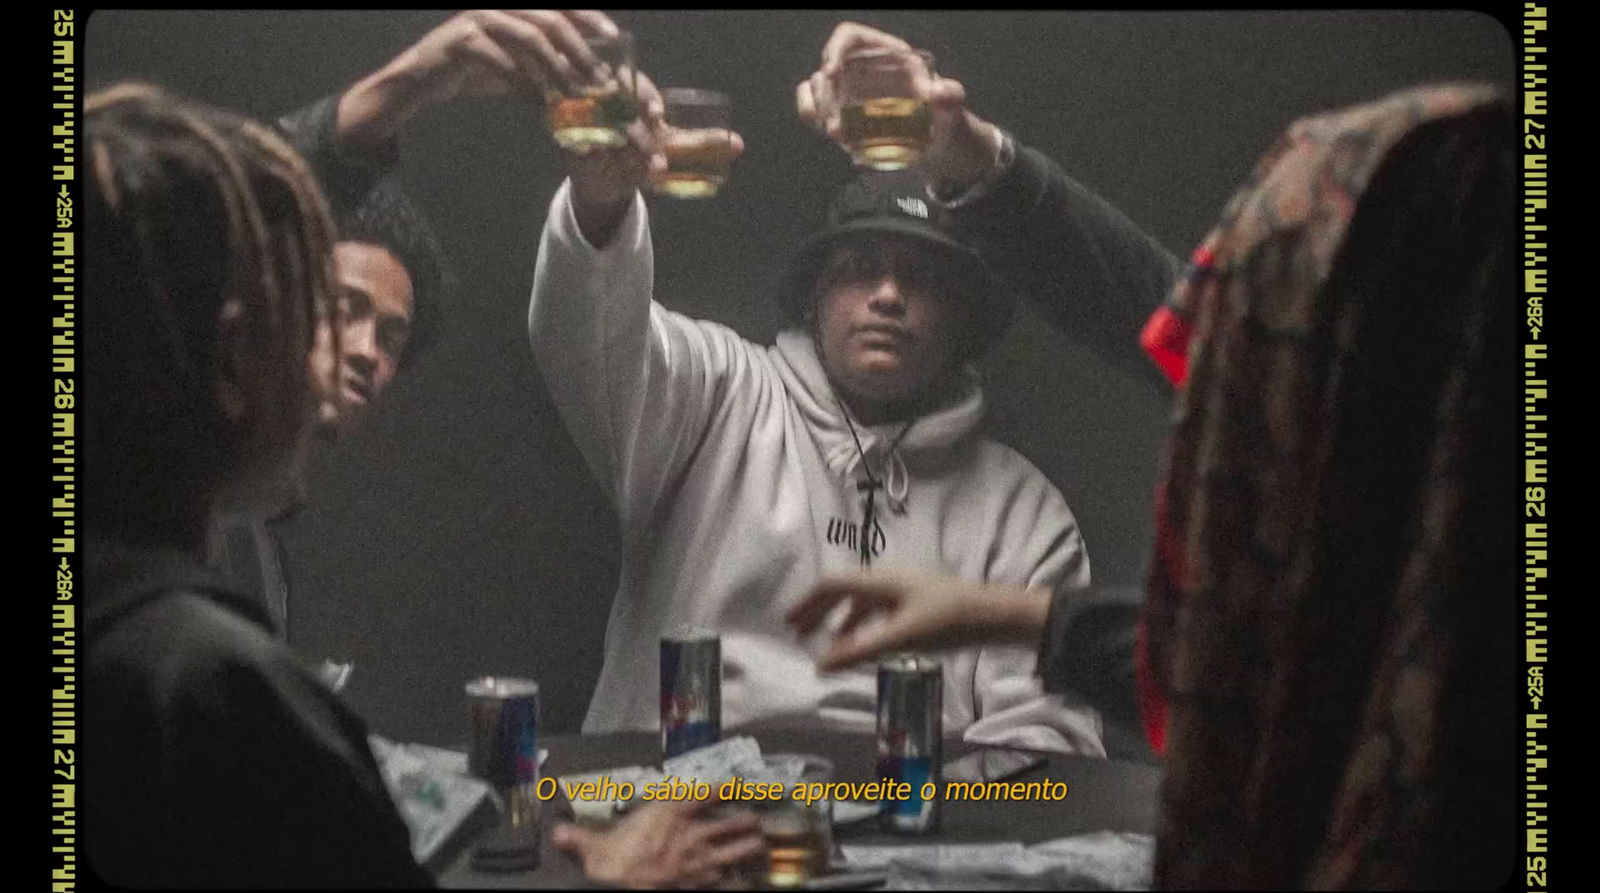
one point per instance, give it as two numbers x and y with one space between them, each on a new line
742 474
218 759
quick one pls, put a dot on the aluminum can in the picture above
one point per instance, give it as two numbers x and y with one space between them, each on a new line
505 730
910 739
505 753
691 692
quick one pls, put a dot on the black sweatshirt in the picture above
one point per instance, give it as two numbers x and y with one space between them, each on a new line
1094 275
211 756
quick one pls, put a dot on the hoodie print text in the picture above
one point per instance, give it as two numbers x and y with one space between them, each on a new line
847 534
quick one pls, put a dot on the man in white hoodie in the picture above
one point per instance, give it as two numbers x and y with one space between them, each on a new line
742 473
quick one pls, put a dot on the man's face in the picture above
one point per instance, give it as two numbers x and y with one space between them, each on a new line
374 320
886 321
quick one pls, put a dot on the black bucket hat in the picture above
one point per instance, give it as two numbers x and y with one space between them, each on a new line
896 203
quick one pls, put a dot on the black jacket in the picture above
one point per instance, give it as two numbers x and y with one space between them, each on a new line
1087 269
252 553
212 757
1092 273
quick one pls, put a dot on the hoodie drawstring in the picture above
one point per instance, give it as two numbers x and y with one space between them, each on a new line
897 500
896 480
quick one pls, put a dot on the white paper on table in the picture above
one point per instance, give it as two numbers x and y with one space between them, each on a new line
603 810
432 790
1119 860
848 811
1103 861
718 762
712 765
865 857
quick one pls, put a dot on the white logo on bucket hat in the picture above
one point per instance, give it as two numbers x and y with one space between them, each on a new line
915 207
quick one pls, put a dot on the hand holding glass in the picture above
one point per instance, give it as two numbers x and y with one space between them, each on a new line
696 136
595 112
884 120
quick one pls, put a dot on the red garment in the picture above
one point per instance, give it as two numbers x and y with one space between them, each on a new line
1166 339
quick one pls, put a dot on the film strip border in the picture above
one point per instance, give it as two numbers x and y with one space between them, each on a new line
1536 419
64 102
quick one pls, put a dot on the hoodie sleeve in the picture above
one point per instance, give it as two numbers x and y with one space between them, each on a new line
1037 544
1089 270
636 384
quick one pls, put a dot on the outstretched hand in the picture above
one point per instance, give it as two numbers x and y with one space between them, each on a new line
916 612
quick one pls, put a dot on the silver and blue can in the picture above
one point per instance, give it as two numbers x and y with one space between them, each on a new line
691 692
910 740
505 730
505 753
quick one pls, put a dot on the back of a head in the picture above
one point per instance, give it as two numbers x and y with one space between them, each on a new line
209 260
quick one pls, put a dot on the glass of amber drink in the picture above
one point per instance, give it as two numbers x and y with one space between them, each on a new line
883 118
696 136
798 833
595 112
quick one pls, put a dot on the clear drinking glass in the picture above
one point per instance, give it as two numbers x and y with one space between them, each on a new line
799 836
882 118
595 113
697 138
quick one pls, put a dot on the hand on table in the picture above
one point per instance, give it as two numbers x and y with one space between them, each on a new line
662 845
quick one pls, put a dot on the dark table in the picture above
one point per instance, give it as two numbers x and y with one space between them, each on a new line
1103 795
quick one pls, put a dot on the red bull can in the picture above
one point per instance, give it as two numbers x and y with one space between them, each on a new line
691 692
910 740
505 753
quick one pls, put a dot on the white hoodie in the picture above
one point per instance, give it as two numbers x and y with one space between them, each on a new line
733 474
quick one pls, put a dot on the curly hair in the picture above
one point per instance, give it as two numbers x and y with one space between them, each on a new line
388 218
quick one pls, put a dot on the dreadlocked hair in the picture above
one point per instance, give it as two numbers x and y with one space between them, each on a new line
209 268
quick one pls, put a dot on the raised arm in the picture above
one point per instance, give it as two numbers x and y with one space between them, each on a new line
351 138
1089 270
636 384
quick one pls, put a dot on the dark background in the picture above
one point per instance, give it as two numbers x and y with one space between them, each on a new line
459 533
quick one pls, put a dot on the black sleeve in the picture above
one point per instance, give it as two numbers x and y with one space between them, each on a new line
293 795
1087 268
346 176
1088 648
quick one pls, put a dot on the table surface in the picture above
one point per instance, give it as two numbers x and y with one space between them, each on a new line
1102 795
